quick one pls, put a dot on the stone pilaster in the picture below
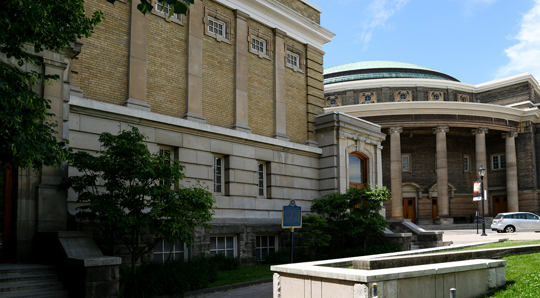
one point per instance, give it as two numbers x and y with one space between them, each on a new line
396 172
241 73
195 62
138 40
314 80
280 105
443 203
511 171
481 160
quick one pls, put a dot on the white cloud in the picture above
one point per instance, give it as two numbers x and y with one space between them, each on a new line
525 55
378 13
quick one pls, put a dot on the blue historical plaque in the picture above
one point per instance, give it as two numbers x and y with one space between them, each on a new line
292 216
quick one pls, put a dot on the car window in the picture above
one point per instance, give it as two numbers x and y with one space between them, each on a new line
519 216
532 216
498 216
508 216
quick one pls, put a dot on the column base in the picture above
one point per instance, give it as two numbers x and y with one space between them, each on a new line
281 136
312 143
194 117
137 104
444 221
241 127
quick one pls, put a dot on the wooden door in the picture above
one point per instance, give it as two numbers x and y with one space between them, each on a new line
6 204
434 209
409 210
500 205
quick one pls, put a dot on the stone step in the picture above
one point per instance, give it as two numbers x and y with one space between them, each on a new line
415 247
50 294
13 270
34 288
27 279
447 243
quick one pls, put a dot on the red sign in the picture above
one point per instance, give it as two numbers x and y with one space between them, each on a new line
477 193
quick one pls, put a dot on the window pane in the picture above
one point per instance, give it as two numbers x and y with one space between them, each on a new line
265 241
355 169
166 257
158 258
221 243
258 241
264 253
230 253
212 253
261 191
179 256
159 247
217 188
230 243
271 249
272 241
212 243
167 246
259 254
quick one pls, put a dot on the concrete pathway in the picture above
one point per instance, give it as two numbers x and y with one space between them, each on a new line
470 236
256 291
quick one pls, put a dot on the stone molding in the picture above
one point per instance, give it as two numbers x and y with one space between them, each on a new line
328 101
137 104
463 98
372 95
395 129
511 134
398 95
301 58
252 32
480 131
441 128
55 63
436 96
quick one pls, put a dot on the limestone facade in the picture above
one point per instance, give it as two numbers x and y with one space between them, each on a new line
445 130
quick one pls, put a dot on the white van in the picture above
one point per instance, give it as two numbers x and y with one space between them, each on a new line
514 221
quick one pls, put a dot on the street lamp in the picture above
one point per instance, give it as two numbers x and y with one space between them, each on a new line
482 172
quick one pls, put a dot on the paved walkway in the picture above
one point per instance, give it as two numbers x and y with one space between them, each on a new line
256 291
470 236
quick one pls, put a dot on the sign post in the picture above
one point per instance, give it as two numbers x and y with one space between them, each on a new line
291 218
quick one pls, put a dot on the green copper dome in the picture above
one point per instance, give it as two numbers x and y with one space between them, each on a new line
381 69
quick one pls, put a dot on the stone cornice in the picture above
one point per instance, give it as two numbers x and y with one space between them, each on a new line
440 84
441 108
276 15
126 113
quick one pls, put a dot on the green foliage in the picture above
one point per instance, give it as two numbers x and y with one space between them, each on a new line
27 130
177 6
313 233
174 277
353 214
126 189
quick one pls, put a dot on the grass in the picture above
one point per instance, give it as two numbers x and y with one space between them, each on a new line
522 277
242 274
497 245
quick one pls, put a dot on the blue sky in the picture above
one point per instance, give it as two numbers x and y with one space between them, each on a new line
474 41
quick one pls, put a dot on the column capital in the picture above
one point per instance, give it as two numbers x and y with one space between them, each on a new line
510 134
279 33
441 128
241 15
480 131
395 129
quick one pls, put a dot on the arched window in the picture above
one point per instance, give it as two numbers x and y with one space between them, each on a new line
357 170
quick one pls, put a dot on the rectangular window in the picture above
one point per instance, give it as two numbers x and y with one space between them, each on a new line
293 60
166 251
223 245
258 45
216 27
265 245
466 163
165 9
498 162
218 174
406 162
261 179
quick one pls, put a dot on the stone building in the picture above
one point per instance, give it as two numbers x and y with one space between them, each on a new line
233 90
440 132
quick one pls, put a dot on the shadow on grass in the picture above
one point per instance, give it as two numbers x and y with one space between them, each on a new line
501 289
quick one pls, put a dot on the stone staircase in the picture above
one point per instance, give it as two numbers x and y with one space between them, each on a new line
30 280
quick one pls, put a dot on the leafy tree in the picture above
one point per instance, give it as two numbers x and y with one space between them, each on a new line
353 214
28 27
177 6
313 232
138 190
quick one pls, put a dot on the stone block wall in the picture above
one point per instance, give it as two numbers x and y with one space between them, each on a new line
526 161
315 88
506 95
302 8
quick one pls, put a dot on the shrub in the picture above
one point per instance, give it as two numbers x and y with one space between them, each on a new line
174 277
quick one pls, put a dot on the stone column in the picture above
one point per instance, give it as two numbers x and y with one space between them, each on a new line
443 203
481 160
280 107
395 172
194 65
138 40
511 171
241 73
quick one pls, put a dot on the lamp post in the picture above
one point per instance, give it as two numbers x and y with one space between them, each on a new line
482 172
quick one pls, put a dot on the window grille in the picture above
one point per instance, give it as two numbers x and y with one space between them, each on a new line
223 245
265 245
216 27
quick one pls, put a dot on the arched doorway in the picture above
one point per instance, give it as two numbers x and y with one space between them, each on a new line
357 170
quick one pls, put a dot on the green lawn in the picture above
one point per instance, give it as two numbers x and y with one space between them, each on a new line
242 274
522 277
498 244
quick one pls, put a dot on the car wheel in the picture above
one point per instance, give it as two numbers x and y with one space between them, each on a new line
509 229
